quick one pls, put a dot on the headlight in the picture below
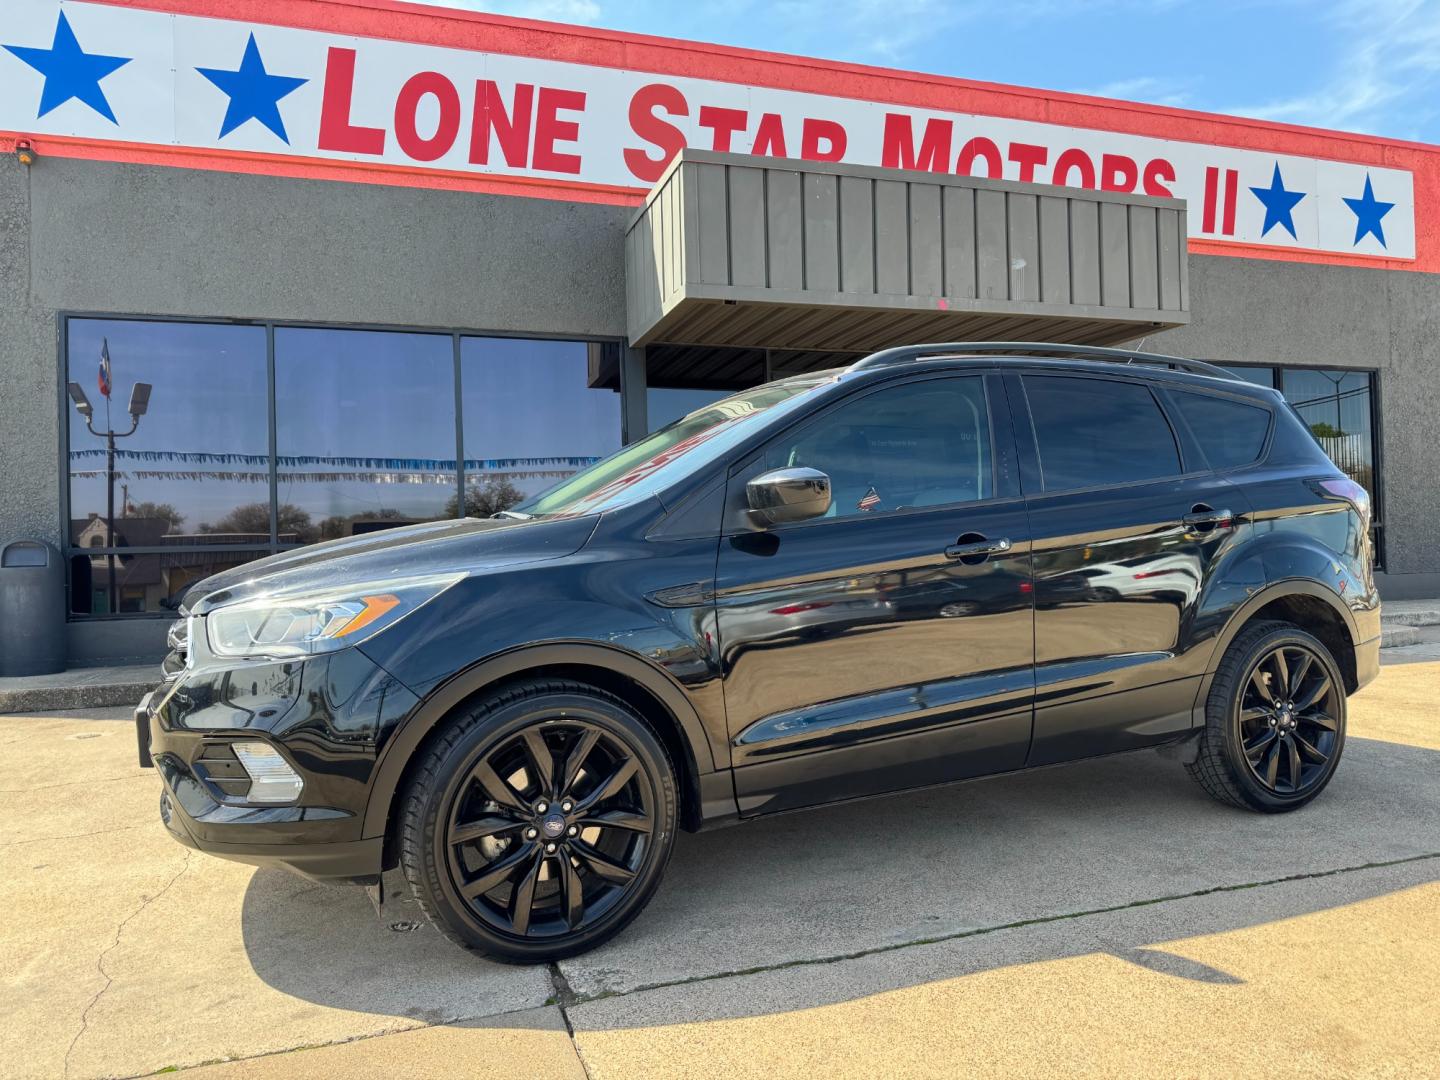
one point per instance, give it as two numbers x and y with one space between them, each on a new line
308 623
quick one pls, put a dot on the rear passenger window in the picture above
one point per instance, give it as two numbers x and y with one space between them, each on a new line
1230 432
1095 431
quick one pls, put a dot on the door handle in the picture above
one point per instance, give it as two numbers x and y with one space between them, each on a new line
1203 519
976 549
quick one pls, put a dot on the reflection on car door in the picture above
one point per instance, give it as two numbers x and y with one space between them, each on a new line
888 644
1127 525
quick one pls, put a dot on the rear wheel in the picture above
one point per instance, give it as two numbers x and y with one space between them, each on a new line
539 823
1274 721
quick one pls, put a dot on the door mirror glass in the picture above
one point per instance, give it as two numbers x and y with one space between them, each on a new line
794 494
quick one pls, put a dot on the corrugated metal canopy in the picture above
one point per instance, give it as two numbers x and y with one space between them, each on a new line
734 256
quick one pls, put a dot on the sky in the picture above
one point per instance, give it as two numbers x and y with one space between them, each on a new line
1369 66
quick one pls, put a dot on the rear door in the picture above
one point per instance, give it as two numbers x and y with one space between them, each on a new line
889 643
1127 525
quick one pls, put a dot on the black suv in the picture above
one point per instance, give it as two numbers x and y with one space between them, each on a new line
942 562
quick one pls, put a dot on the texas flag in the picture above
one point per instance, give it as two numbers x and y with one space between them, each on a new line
105 366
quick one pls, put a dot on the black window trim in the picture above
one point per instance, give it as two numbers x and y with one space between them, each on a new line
270 325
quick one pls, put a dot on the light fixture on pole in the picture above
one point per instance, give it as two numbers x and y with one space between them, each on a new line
24 152
139 404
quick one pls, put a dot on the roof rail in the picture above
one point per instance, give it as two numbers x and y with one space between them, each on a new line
906 354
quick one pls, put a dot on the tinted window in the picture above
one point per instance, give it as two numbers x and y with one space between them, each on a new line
534 414
200 452
1230 432
921 444
364 430
1095 431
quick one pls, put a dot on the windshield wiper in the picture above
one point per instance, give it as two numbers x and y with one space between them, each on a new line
511 515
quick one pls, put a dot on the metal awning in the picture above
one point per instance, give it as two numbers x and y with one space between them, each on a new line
733 256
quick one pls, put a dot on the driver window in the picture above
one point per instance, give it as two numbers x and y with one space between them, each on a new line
919 444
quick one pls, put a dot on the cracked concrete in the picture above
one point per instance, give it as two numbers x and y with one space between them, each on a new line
1097 919
100 960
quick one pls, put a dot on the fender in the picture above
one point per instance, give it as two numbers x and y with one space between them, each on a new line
1242 614
1274 591
401 746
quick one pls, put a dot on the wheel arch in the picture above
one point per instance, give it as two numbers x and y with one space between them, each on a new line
650 691
1306 604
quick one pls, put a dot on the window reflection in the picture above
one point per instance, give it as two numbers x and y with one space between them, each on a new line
146 584
534 413
1336 405
364 429
199 454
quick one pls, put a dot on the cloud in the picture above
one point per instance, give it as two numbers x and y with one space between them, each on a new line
1386 79
1151 89
567 11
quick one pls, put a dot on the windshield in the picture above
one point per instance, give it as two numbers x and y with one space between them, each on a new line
659 460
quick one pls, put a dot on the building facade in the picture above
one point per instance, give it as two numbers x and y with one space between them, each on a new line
379 264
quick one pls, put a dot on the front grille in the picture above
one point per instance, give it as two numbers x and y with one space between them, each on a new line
217 765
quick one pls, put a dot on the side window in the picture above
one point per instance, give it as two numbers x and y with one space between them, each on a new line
1096 431
1230 432
920 444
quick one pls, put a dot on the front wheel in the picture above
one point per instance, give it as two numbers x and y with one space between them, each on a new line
1274 721
539 822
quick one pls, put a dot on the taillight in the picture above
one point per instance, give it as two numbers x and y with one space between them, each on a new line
1343 487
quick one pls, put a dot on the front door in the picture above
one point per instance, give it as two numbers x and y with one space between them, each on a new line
887 644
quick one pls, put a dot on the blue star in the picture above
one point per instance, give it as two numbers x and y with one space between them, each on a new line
1368 212
1278 204
70 72
254 93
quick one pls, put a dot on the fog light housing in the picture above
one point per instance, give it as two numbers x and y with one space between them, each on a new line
272 780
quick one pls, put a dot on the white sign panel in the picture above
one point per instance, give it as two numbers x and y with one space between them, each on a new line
127 75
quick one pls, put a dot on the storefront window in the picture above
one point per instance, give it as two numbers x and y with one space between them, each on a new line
197 455
183 475
1337 407
364 431
534 413
365 436
1262 376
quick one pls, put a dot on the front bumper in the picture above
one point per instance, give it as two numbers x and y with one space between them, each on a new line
327 716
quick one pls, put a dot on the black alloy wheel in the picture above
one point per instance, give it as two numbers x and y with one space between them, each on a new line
1288 719
1274 720
542 822
549 829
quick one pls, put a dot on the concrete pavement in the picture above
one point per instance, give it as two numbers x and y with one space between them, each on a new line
1104 918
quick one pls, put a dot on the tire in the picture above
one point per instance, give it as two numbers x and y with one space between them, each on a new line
1263 742
498 875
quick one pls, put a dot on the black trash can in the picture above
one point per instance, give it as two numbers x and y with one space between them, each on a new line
32 609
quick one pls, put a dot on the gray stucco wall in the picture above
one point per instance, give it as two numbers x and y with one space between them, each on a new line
89 236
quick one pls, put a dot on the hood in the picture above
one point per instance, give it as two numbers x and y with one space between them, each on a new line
469 545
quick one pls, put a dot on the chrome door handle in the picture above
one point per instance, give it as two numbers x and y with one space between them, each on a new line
1204 516
977 550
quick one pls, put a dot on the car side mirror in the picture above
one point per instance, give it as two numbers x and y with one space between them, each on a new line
782 495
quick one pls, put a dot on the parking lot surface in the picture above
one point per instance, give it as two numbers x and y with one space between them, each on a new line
1103 919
